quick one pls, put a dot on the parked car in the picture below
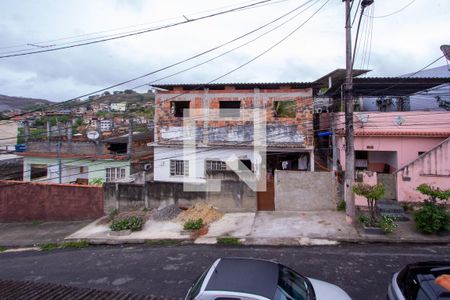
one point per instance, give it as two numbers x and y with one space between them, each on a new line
245 279
421 281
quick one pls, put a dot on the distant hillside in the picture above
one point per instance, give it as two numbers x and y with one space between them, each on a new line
10 102
132 97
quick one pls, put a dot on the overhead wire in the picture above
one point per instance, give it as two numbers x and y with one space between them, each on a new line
171 65
134 33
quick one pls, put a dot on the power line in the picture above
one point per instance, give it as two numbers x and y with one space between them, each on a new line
393 13
139 32
169 66
40 43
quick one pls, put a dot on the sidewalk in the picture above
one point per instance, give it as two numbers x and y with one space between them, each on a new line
263 228
33 233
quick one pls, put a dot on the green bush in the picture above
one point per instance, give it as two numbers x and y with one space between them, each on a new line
363 219
49 246
193 224
97 181
387 224
134 223
341 206
432 217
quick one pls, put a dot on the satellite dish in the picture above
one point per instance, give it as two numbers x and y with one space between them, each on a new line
446 50
93 135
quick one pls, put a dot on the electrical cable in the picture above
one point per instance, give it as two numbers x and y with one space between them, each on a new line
135 33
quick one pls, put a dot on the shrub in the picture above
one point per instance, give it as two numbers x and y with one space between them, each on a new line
363 219
193 224
134 223
387 224
341 206
2 248
432 217
228 241
434 193
97 181
372 193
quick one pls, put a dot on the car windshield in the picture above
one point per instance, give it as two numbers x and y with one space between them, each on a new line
195 289
292 286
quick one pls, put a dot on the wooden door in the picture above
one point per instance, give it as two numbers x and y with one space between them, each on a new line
266 199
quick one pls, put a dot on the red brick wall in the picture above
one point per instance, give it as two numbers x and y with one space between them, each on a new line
26 201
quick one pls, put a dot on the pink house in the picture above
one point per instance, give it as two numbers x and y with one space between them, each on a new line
403 149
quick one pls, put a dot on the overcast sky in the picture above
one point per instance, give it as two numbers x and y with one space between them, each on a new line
401 43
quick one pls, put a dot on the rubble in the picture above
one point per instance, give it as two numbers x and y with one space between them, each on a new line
166 213
201 210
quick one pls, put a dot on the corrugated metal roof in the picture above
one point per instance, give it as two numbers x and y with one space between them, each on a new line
237 85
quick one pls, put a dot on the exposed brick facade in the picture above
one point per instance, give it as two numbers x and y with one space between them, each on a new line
29 201
301 124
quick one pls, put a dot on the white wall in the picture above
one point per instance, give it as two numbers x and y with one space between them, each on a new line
196 158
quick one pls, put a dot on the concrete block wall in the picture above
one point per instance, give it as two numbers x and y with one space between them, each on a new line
29 201
234 196
304 191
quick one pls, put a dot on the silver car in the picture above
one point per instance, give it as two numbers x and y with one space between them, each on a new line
417 281
244 278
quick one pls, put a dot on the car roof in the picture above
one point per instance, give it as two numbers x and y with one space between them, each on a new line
244 275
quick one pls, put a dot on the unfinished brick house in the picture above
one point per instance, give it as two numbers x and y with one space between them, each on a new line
223 130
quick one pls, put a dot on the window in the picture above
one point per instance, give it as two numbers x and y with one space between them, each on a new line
177 108
38 171
196 287
113 174
229 109
284 109
179 168
292 286
215 165
247 164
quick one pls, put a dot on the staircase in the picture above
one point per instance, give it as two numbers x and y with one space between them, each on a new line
392 209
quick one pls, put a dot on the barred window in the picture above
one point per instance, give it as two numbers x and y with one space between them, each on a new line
215 165
113 174
179 168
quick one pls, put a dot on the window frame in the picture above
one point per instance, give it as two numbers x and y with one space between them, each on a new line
174 111
226 112
179 168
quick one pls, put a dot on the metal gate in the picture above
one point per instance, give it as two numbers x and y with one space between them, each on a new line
388 180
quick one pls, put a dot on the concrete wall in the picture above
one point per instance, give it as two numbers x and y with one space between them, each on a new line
307 191
11 167
25 202
89 147
432 168
234 196
8 133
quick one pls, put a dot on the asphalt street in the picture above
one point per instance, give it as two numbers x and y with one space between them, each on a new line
363 271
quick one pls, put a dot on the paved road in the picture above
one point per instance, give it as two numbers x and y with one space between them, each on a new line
362 270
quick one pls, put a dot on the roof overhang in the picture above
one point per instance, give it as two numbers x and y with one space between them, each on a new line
237 86
389 86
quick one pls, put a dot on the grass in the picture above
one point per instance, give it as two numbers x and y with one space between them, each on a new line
64 245
36 223
340 206
2 249
163 242
48 246
229 240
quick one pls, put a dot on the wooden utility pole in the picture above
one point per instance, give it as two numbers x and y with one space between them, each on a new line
348 101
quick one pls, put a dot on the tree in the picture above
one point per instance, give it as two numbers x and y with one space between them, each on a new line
372 193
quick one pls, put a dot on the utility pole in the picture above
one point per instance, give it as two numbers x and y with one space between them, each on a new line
59 153
348 101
